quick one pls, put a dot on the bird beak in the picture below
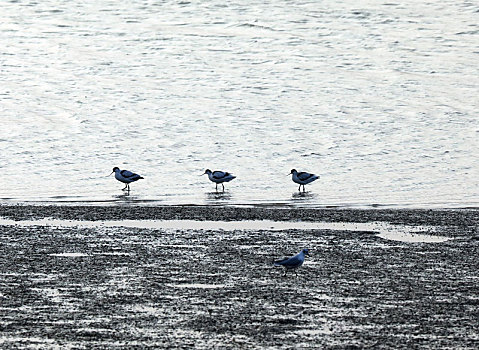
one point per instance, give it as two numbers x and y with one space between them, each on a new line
111 173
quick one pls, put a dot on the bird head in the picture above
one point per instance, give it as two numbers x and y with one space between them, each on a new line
114 169
305 251
292 171
207 171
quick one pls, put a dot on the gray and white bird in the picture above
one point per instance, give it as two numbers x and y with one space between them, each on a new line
219 177
302 178
293 262
126 177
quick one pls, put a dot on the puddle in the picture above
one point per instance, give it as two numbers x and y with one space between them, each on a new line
412 237
198 286
114 253
144 309
69 255
409 234
202 225
52 293
33 342
325 330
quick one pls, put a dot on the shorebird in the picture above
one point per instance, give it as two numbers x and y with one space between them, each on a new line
303 178
219 177
125 176
293 262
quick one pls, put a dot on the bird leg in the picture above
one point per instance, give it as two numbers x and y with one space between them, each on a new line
216 187
304 189
299 189
223 187
124 188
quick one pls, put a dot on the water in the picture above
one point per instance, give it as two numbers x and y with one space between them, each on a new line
402 233
377 97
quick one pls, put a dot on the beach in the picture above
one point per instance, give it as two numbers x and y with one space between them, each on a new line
105 285
158 157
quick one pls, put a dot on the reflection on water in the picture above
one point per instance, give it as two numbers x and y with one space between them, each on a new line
214 197
303 196
126 197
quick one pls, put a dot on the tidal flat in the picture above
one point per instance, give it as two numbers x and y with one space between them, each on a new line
127 287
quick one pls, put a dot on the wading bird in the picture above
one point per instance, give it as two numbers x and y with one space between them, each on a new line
219 177
126 177
293 262
303 178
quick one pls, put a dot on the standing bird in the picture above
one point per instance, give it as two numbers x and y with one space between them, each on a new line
294 262
219 177
303 178
126 177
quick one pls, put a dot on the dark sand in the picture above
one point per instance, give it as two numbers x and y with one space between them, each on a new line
130 288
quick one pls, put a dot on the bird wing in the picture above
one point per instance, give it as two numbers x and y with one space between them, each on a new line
293 261
128 174
280 262
304 176
219 174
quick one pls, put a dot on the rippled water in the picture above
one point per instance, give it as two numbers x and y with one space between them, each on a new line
380 98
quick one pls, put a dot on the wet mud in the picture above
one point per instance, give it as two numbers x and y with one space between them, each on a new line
447 218
131 288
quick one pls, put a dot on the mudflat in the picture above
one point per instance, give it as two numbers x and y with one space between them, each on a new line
116 287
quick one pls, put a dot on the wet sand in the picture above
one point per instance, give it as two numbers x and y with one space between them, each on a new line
126 287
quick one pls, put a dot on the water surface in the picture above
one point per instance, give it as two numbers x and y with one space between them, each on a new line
402 233
378 98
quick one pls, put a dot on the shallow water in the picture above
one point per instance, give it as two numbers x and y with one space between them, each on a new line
378 98
402 233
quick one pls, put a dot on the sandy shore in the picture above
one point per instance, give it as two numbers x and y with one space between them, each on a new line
126 287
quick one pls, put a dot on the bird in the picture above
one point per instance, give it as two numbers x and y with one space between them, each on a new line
219 177
293 262
302 178
126 177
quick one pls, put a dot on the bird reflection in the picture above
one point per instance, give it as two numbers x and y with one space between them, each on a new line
218 196
125 197
300 196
